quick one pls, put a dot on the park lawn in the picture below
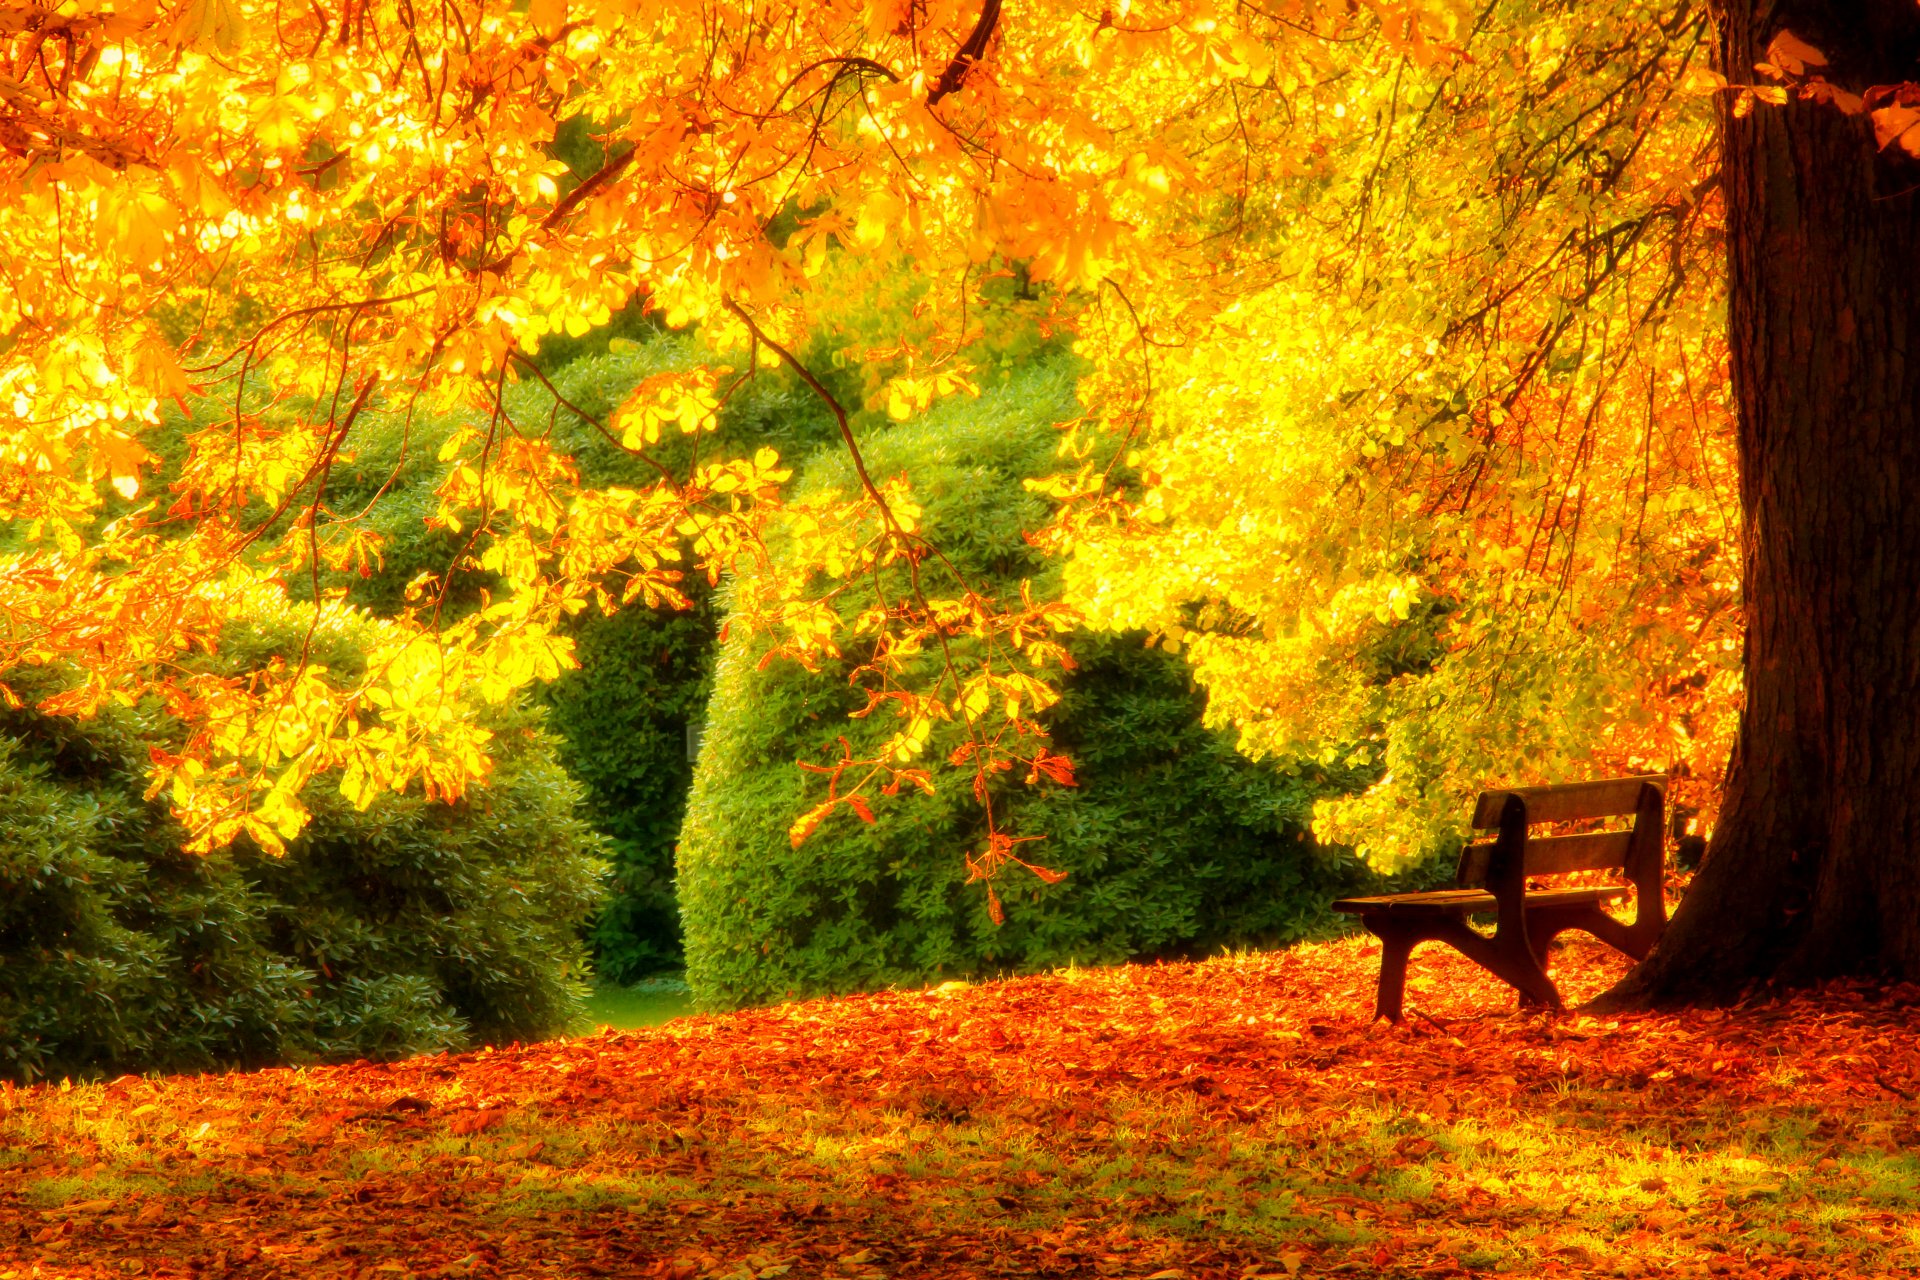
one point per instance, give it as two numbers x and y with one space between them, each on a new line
1241 1117
644 1004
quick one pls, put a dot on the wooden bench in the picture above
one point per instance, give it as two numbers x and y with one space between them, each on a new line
1492 879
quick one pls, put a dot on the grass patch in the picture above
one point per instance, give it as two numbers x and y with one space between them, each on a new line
644 1004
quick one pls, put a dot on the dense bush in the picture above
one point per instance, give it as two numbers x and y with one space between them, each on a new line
411 927
1174 844
622 718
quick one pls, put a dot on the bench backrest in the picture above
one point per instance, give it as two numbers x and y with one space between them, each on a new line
1639 852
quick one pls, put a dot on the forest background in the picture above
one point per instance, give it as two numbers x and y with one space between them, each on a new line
1369 364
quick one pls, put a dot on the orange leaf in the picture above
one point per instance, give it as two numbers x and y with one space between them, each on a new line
476 1121
1793 55
1896 124
804 825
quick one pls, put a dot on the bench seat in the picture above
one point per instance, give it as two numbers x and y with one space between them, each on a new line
1471 902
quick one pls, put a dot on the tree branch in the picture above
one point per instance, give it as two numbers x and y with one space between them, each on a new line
969 53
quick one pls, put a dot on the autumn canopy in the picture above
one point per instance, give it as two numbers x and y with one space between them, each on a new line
1406 412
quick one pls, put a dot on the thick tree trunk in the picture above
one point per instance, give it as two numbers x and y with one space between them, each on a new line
1814 870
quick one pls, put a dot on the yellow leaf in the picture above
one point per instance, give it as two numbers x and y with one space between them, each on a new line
882 210
548 16
215 22
198 189
1702 81
973 704
282 121
155 366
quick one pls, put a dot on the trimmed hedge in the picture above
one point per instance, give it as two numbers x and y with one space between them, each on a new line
1175 845
644 674
410 928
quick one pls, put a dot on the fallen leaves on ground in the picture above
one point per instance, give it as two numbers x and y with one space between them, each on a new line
1237 1118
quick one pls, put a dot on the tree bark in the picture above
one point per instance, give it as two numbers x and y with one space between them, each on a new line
1814 870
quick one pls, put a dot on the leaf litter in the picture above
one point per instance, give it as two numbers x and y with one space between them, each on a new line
1237 1118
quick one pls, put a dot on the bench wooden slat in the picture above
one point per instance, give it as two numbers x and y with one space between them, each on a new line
1552 855
1473 901
1436 898
1568 802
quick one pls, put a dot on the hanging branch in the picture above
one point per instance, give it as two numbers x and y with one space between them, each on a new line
913 546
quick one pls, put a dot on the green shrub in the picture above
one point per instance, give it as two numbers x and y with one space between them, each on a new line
1174 844
412 927
622 718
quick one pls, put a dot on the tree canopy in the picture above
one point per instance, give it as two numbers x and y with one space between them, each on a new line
1404 409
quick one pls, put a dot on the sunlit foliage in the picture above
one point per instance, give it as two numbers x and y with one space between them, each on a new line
1404 390
1443 481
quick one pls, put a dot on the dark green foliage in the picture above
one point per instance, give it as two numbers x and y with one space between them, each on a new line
1201 848
412 927
623 716
623 721
1174 844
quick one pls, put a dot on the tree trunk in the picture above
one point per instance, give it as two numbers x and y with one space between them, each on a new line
1814 870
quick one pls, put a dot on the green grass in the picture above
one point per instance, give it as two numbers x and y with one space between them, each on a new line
644 1004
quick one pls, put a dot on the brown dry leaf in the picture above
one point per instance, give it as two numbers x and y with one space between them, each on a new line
471 1122
90 1206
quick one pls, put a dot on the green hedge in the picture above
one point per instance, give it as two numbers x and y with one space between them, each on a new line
622 717
412 927
1174 844
644 673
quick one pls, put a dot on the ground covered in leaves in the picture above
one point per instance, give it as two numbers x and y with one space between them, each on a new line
1237 1118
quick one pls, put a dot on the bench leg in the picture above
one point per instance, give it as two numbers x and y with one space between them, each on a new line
1508 961
1523 972
1396 946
